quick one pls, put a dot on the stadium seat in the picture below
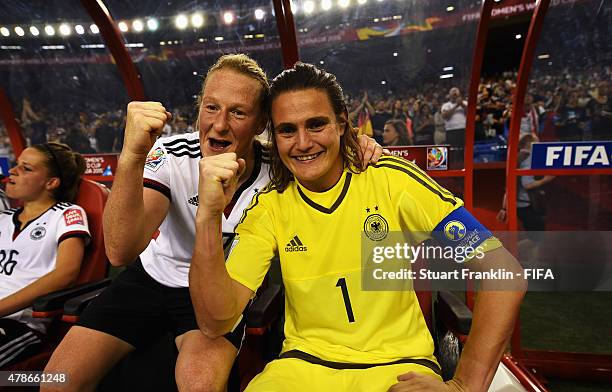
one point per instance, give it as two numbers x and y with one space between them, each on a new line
92 197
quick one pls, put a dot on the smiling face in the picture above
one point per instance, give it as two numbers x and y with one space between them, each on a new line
29 179
307 133
230 113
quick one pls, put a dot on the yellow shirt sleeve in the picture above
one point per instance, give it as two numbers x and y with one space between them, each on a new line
254 245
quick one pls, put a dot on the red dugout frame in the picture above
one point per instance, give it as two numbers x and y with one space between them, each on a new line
550 363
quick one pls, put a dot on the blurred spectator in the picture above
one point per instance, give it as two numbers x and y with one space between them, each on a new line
38 132
454 114
105 135
379 117
600 112
28 115
531 196
395 133
423 126
78 141
571 119
531 117
439 132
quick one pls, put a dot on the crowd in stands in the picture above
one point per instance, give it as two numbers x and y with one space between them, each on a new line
87 133
565 105
561 105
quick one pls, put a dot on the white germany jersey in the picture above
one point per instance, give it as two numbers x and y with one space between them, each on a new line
172 169
28 254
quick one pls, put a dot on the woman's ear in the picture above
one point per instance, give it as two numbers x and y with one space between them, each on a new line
52 183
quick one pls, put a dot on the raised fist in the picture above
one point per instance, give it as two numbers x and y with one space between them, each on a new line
144 123
219 176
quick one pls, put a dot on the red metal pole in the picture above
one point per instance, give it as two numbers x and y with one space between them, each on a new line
293 51
479 48
112 37
286 31
535 28
13 129
470 126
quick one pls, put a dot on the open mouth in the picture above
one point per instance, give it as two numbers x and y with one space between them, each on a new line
218 144
310 157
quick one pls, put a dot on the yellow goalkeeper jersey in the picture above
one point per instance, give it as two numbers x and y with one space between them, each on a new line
318 239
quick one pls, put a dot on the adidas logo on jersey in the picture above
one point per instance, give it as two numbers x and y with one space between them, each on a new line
295 245
194 200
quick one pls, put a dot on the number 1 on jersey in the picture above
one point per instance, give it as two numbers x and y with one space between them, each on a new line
347 301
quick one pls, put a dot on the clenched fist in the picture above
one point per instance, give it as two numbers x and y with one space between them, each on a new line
144 123
219 175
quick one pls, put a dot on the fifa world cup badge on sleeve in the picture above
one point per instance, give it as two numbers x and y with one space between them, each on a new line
155 159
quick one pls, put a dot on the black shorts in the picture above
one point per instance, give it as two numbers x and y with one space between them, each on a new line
17 341
139 310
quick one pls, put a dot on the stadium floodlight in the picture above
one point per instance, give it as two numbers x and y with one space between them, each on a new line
383 82
259 14
64 29
34 31
228 17
152 24
218 39
80 30
294 7
4 31
321 62
344 3
49 30
162 43
326 5
395 54
181 22
197 20
195 73
518 36
362 1
137 25
94 29
450 8
446 76
19 31
123 26
308 6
